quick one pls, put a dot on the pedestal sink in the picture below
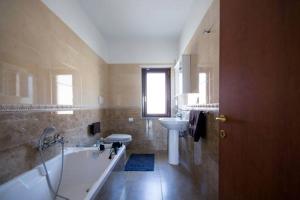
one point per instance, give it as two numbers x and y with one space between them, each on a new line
174 125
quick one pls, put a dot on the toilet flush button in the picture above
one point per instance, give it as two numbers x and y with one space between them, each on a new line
130 119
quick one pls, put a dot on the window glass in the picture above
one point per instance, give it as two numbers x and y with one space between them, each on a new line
64 89
156 93
202 88
64 84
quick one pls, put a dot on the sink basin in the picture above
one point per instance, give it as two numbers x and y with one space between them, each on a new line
174 125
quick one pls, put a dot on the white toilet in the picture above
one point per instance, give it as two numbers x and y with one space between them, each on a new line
123 138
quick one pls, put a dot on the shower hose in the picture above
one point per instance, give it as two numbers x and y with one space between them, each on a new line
54 192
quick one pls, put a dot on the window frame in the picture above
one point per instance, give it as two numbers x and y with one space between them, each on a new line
167 71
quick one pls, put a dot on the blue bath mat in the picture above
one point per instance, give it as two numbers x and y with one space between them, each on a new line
140 162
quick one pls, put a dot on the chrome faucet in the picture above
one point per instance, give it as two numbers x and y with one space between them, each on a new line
47 141
179 115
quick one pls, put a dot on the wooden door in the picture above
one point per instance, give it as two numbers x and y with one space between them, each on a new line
260 96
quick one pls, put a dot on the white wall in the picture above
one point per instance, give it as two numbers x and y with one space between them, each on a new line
70 12
128 50
198 10
137 51
113 50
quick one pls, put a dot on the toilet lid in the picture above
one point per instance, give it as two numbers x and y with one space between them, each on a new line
118 138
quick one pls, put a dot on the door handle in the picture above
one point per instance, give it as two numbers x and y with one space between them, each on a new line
221 118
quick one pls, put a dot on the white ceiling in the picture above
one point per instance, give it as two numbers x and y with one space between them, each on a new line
141 19
133 31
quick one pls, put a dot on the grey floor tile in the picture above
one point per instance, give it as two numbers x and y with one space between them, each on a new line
166 182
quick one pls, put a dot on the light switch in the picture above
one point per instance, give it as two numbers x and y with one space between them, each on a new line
130 119
100 100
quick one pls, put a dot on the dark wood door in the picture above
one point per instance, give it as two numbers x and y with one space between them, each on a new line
260 95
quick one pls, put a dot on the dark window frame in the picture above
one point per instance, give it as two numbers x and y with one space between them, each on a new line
167 71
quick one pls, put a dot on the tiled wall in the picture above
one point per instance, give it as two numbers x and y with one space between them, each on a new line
125 94
202 158
35 47
20 132
36 44
204 51
125 85
145 137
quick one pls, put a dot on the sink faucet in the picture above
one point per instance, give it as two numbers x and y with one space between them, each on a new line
179 115
47 141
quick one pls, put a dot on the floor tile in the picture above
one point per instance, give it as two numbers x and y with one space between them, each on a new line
166 182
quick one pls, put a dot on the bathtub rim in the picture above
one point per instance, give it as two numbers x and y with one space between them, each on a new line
96 187
36 170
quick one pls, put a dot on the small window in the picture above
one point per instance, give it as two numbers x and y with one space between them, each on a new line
156 92
180 80
203 87
64 89
64 84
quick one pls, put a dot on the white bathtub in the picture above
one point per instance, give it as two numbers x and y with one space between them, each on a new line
85 171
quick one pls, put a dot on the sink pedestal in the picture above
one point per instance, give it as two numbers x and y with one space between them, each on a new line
174 125
173 147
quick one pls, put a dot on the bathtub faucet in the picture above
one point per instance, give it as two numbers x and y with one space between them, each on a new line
47 141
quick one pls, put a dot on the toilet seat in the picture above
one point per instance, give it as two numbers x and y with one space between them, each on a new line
124 138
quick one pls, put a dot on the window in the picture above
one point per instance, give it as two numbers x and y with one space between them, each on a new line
203 88
156 92
180 80
64 91
64 85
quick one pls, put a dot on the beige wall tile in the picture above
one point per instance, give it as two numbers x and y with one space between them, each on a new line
204 51
36 42
35 47
125 85
152 138
20 132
